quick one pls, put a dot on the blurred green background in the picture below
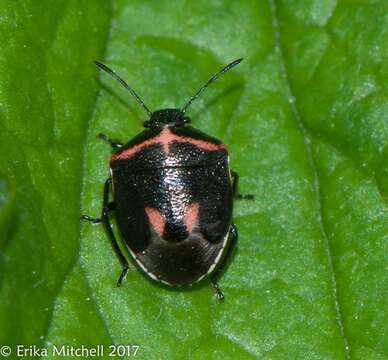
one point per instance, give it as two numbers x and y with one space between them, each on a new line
305 117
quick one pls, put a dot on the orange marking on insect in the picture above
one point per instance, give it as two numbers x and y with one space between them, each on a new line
156 219
166 138
191 217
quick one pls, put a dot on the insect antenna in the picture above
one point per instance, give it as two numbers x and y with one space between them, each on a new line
122 82
211 80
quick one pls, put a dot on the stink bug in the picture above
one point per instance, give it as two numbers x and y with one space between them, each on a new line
172 196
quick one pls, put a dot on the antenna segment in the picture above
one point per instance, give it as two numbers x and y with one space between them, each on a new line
211 80
122 82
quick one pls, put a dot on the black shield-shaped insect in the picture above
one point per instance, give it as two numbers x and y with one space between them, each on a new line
173 194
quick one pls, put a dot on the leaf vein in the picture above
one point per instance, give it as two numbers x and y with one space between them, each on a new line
316 182
82 185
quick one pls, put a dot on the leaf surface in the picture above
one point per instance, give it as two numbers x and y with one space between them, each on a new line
305 119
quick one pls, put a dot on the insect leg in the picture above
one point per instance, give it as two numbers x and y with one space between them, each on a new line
114 143
106 208
215 277
90 219
238 196
111 206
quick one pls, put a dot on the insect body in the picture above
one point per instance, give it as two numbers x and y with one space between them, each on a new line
173 197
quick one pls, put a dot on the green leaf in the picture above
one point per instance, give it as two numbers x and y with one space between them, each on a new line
305 117
48 91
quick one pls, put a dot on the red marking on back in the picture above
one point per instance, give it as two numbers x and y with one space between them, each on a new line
166 138
156 219
191 216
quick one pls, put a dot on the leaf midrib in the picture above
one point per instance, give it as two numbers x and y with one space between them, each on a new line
76 260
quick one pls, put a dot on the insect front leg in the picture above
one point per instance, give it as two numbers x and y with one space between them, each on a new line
106 208
233 233
238 196
114 143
